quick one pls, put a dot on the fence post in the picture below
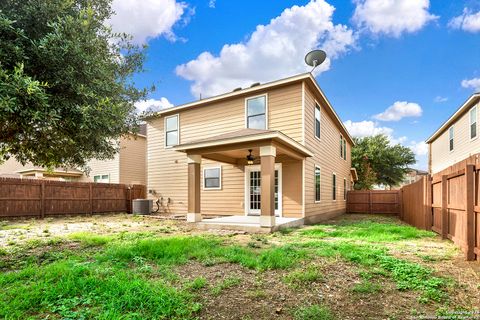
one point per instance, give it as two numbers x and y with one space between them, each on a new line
42 203
428 203
90 196
370 206
445 192
470 210
400 203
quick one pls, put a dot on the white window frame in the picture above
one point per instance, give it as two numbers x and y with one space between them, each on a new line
219 178
165 130
315 183
101 175
319 121
344 189
470 122
344 149
334 186
451 137
341 146
266 109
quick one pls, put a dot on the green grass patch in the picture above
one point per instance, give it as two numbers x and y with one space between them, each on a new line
225 284
77 289
366 287
316 312
367 230
196 284
302 277
407 275
90 239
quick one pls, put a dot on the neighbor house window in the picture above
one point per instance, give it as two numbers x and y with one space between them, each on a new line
171 131
212 178
317 121
450 138
256 112
317 183
344 189
101 178
473 123
334 186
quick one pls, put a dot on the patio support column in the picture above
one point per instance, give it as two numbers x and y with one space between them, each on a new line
267 201
194 211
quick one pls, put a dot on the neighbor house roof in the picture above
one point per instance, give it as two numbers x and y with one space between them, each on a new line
252 89
460 112
56 171
245 135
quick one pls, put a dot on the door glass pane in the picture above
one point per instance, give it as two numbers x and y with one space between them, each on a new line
255 190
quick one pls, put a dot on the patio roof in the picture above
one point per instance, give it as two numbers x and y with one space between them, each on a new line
243 137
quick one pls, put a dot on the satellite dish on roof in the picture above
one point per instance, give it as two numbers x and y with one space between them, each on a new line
315 58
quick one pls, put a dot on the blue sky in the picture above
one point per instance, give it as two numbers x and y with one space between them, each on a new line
399 67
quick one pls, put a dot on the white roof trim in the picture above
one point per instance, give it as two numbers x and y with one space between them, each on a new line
450 120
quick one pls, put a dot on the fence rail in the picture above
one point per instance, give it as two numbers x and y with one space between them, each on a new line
40 198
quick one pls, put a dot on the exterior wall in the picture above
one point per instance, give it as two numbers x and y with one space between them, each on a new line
327 157
167 169
133 163
440 155
101 167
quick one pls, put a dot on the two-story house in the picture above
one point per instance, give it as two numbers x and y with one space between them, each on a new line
270 150
457 138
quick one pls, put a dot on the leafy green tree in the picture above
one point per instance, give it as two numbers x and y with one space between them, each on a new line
66 93
379 162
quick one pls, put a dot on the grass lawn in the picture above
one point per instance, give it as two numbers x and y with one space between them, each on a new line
133 267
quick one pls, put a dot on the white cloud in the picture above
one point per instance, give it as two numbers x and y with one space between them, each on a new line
211 4
419 148
153 105
468 21
147 19
400 110
366 128
392 17
271 52
440 99
472 83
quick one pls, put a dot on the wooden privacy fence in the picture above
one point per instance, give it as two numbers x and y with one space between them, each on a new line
448 203
374 201
40 198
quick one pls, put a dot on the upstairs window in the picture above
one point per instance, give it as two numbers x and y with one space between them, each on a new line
212 178
334 186
343 148
171 131
317 121
257 112
450 138
473 123
317 184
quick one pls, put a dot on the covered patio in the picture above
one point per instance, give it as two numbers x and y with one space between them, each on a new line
269 148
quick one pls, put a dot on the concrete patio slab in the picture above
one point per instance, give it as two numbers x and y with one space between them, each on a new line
247 223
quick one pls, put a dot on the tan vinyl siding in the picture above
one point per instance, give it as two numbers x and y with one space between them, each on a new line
442 157
102 167
167 169
133 160
327 157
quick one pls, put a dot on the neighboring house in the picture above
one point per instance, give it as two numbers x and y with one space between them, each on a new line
128 166
413 175
273 149
457 138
